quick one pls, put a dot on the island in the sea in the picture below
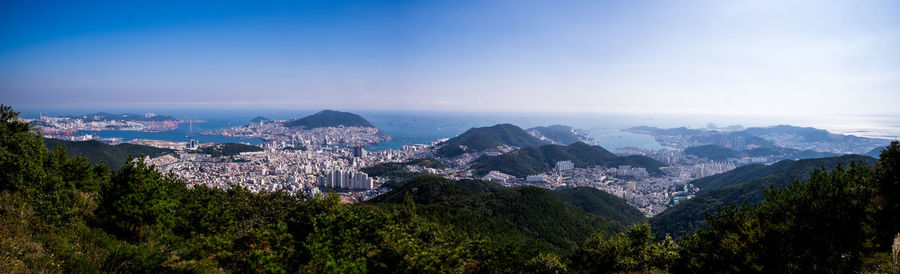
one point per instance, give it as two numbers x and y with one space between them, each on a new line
330 118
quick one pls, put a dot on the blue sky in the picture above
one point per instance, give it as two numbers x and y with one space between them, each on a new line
693 57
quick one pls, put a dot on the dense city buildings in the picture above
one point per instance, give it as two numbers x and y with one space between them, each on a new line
311 161
345 180
316 160
275 132
296 160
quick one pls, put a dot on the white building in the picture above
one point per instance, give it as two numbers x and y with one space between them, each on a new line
344 179
564 165
536 178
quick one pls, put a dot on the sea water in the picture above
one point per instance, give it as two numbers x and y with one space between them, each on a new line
423 127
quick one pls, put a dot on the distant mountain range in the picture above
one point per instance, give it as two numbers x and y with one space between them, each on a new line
534 160
484 138
115 156
875 152
742 185
258 119
557 134
803 139
720 153
559 219
104 116
329 118
807 134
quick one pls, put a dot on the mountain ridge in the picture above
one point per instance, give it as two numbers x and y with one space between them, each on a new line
487 208
330 118
534 160
114 156
484 138
691 214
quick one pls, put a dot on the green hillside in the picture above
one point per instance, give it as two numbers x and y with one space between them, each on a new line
397 173
487 208
808 134
483 138
720 153
786 153
600 203
101 153
713 152
690 214
534 160
330 118
875 152
739 175
228 149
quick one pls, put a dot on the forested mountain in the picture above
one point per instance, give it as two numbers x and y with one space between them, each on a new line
720 153
713 152
785 141
739 175
786 153
227 149
66 215
398 174
487 208
483 138
101 153
844 220
690 214
738 139
875 152
602 204
329 118
807 134
534 160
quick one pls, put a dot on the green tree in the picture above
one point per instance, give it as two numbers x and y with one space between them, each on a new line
546 263
634 250
820 225
140 196
887 199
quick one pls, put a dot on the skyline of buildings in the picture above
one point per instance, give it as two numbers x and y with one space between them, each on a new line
310 161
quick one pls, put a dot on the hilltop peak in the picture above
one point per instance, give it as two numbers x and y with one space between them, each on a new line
330 118
484 138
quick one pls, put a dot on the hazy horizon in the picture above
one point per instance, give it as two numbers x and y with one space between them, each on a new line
887 127
788 58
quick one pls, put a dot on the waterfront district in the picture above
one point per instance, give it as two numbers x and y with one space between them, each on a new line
311 161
